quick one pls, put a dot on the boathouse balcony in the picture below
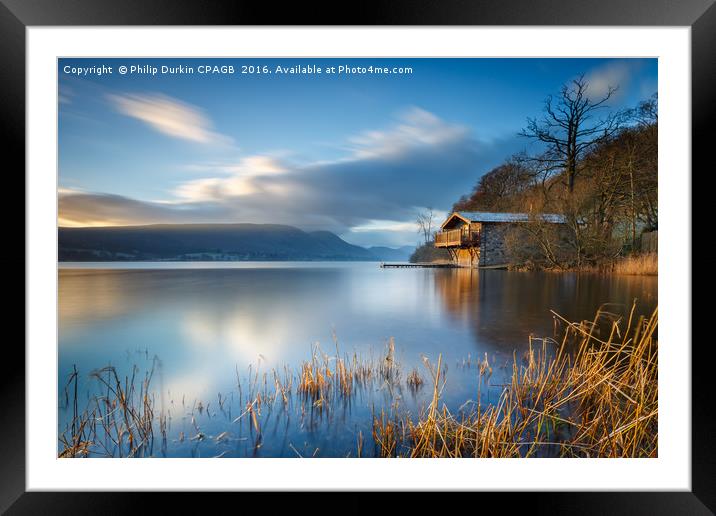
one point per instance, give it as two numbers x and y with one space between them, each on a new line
461 237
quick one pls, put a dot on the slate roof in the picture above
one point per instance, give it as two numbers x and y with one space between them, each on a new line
486 216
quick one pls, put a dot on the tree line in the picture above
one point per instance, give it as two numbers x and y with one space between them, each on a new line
595 166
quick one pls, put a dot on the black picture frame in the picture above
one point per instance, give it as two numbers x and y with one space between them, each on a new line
17 15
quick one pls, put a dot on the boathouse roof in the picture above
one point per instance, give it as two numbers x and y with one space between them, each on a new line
486 216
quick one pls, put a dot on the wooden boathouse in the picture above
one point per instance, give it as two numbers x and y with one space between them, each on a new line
477 239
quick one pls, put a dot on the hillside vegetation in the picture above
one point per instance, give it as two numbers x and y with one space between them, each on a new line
429 253
222 242
599 170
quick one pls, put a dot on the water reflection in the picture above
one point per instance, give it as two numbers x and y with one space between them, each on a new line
504 308
207 326
206 319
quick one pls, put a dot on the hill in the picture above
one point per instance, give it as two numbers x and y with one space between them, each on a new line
222 242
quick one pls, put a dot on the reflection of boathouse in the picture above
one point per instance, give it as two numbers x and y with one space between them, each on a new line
478 238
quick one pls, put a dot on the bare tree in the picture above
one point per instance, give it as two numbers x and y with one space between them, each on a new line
569 128
425 222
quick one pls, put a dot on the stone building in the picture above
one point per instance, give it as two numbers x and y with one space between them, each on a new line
477 239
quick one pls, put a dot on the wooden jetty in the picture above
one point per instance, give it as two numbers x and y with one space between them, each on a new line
418 266
502 266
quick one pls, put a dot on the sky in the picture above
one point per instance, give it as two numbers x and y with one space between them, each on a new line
355 152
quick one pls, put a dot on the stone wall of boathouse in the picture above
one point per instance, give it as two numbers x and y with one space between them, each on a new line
493 250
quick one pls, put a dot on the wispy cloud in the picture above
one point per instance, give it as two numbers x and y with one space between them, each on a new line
416 127
388 175
617 74
241 179
64 94
81 208
169 116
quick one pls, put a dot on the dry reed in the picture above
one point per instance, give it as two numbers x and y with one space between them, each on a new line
591 394
646 264
414 380
600 400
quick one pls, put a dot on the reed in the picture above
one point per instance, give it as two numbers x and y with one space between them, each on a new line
414 380
389 369
646 264
599 400
120 420
590 393
641 264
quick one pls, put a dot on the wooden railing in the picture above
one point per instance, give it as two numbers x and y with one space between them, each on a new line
457 238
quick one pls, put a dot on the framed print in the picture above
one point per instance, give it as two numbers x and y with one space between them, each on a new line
263 255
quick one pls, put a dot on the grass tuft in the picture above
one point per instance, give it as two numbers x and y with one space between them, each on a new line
646 264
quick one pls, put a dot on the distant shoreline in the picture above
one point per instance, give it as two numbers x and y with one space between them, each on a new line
216 265
214 242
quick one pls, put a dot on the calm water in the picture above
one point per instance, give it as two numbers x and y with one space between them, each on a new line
206 324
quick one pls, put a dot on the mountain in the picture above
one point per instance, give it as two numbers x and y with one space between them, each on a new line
222 242
388 254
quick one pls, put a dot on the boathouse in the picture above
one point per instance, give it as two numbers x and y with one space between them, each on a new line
477 239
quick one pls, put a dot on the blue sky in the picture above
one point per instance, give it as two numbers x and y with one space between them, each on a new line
357 154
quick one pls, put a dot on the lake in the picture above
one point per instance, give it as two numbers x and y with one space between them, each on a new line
217 333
